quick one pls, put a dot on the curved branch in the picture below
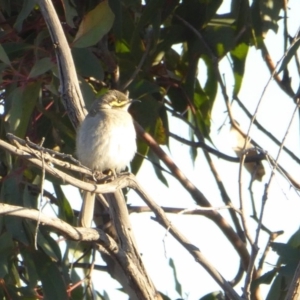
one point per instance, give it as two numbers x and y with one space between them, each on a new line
199 198
194 251
99 236
204 146
72 233
266 132
70 91
125 260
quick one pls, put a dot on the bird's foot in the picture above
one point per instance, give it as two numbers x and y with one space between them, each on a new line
98 176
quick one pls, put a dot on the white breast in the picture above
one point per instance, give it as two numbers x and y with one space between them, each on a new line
106 140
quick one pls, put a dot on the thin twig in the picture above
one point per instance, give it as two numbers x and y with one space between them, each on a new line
264 200
139 66
32 145
199 198
266 132
242 204
41 201
194 251
198 210
204 146
49 158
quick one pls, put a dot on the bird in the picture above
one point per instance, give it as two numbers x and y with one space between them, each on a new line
105 140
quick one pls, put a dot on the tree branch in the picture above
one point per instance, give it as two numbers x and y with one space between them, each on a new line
266 132
205 147
199 198
70 91
125 260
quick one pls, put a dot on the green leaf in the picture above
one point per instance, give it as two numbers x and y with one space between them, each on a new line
123 33
218 295
3 56
178 286
283 279
65 210
220 39
94 25
278 289
23 102
15 50
24 13
145 112
116 7
156 163
31 272
88 92
193 150
53 284
198 13
264 279
257 23
48 244
6 250
210 87
29 199
291 53
269 12
203 105
44 241
287 253
70 12
294 240
169 36
142 148
11 194
40 67
239 55
152 9
178 98
87 64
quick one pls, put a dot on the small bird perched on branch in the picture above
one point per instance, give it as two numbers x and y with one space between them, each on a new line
105 141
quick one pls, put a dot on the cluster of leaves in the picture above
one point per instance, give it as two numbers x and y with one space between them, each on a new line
115 44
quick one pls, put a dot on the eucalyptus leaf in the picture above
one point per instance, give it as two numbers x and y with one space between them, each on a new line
238 56
3 56
40 67
87 64
94 25
6 249
27 7
24 100
53 284
290 54
178 286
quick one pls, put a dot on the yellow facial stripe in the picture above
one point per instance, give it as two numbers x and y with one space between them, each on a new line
118 103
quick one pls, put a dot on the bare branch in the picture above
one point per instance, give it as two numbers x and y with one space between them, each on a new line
197 196
76 234
205 147
134 276
194 251
70 91
266 132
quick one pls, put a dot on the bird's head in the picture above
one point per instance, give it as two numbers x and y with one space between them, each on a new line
115 100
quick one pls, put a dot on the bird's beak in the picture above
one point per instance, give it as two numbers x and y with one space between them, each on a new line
134 100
